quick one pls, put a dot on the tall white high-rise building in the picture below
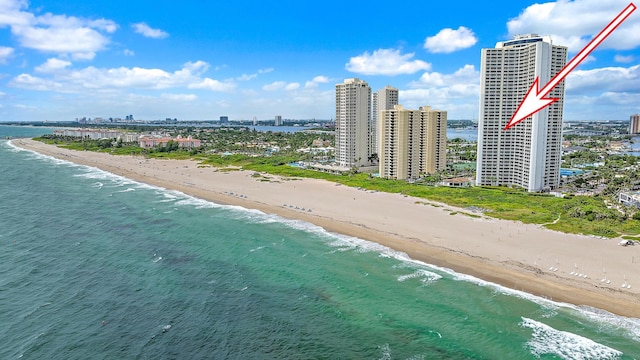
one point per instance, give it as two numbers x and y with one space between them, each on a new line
353 114
527 155
277 120
412 142
383 99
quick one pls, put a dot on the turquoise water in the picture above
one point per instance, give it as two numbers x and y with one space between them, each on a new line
95 266
570 172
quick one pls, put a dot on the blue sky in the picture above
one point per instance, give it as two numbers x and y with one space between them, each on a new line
198 59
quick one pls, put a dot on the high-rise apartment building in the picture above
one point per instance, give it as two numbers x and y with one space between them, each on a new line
278 120
634 124
353 114
383 99
527 155
411 142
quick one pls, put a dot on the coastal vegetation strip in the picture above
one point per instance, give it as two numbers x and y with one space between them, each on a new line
588 215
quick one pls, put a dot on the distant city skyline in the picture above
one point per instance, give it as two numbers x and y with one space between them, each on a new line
201 60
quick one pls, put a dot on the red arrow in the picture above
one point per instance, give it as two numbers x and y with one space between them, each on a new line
536 100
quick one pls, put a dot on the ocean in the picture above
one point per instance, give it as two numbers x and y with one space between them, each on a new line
97 266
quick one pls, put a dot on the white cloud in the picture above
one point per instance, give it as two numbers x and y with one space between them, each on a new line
301 103
146 31
247 77
52 65
457 93
574 23
321 79
26 81
55 33
5 53
276 85
610 105
292 86
104 79
179 97
608 79
11 13
61 40
386 62
128 52
213 85
83 55
313 83
465 75
623 59
449 40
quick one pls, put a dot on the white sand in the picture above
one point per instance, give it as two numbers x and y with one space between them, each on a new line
513 254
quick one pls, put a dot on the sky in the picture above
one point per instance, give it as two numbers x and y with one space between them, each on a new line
199 59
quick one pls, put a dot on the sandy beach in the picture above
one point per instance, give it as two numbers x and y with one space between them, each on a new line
519 256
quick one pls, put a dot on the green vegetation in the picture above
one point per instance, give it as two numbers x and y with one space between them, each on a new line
270 153
104 145
574 214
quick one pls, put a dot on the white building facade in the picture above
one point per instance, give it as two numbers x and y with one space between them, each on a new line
353 116
527 155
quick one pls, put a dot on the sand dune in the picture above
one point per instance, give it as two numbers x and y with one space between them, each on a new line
519 256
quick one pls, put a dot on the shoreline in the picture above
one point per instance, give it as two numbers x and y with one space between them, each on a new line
508 253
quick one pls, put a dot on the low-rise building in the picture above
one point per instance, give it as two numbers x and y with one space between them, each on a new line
631 198
457 182
97 134
151 141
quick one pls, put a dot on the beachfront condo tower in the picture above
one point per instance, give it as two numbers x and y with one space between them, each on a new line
383 99
527 155
411 142
353 114
634 124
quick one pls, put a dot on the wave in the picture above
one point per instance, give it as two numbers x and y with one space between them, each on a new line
546 340
348 243
425 276
39 156
126 190
631 326
98 185
93 173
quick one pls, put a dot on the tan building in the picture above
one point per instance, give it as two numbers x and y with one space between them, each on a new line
411 142
151 141
383 99
634 124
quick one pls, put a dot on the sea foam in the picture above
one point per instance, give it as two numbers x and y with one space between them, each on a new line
546 340
39 156
348 243
425 276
